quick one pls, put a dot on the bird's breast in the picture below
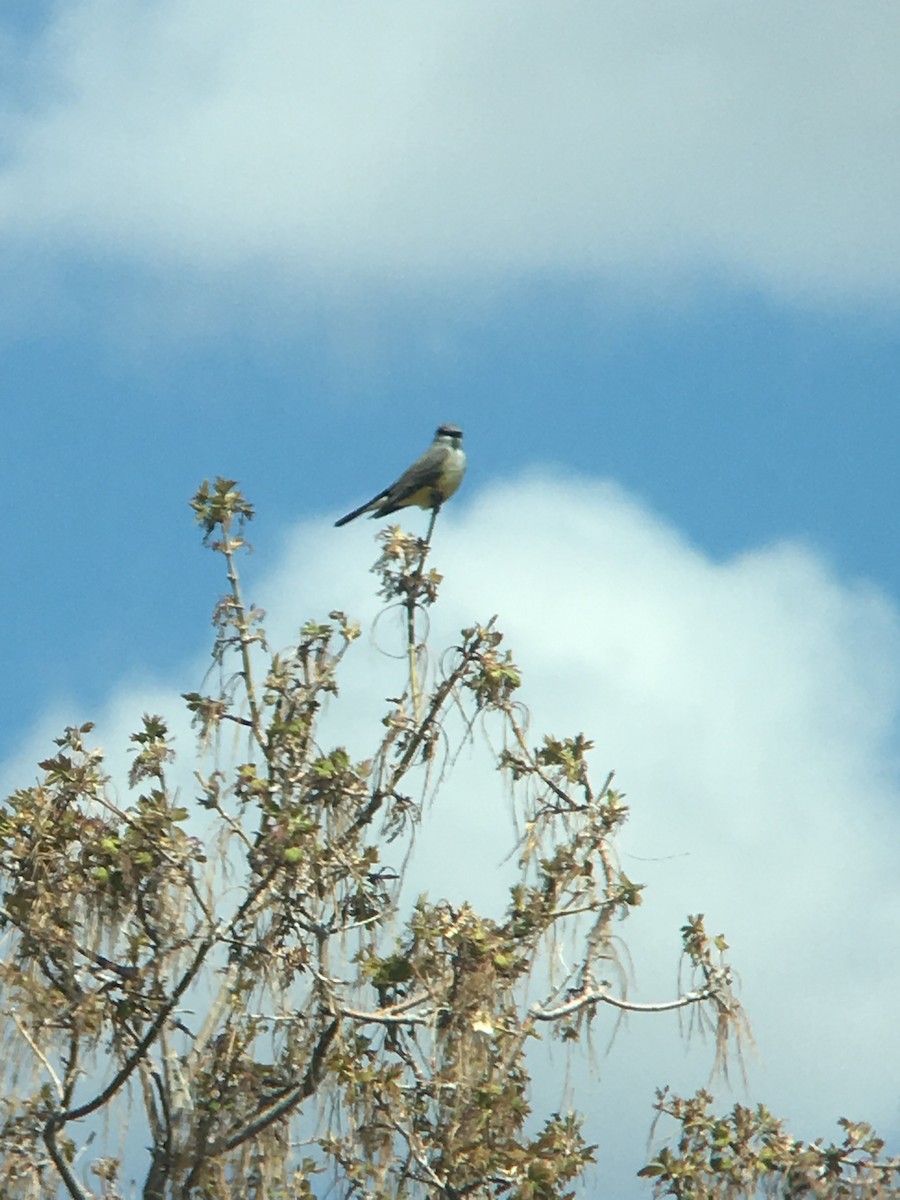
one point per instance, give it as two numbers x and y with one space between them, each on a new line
452 473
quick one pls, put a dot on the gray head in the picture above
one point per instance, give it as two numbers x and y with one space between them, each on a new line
449 431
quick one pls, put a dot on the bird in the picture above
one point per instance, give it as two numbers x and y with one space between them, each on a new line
430 480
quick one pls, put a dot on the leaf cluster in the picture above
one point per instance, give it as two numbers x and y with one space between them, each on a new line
748 1153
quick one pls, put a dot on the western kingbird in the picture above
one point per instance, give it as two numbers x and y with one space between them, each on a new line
430 481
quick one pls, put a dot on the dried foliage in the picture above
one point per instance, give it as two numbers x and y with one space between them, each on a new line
235 980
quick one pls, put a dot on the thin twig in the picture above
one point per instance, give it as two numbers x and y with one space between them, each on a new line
410 604
57 1082
244 639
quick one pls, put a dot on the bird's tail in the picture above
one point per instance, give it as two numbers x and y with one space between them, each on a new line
357 512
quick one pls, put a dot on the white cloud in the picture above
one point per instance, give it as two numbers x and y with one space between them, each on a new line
412 143
750 709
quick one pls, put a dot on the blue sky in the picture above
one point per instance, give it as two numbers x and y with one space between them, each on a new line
647 256
739 420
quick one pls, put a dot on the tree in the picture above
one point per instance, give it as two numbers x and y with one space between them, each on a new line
241 981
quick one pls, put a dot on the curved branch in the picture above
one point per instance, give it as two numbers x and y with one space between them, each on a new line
58 1120
593 996
295 1096
65 1171
396 1014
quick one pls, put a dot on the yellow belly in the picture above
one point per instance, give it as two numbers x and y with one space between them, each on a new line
429 497
421 498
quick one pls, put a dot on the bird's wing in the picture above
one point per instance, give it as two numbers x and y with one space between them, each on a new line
424 472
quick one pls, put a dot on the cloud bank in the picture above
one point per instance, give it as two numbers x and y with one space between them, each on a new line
409 144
